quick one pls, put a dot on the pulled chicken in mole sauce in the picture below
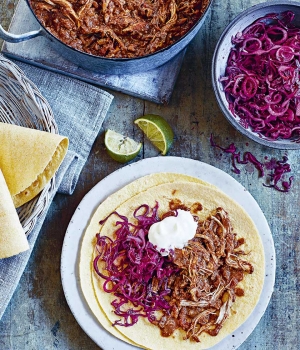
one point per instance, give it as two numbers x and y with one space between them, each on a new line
211 268
118 28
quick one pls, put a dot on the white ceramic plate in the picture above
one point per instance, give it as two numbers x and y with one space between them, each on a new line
118 179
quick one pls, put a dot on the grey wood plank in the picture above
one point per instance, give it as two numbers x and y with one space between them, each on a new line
38 316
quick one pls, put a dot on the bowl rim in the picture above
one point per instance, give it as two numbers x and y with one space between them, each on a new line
278 144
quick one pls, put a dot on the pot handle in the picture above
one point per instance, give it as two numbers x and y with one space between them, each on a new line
16 38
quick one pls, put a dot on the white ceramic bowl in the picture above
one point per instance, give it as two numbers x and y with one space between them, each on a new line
222 51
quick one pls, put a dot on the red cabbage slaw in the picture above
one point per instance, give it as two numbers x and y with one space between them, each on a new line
261 81
277 167
131 263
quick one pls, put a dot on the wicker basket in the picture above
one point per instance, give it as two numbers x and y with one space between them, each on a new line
22 104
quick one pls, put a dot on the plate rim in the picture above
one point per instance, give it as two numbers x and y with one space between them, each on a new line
85 317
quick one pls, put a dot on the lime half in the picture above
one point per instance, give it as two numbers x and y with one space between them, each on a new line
157 130
121 148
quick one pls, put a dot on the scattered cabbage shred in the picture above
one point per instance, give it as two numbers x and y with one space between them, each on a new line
278 168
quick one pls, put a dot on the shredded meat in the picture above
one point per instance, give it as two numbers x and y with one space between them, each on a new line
211 269
118 28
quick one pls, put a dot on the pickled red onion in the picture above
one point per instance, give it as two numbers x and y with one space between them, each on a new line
262 81
129 265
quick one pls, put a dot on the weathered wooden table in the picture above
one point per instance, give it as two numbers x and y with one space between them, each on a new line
38 316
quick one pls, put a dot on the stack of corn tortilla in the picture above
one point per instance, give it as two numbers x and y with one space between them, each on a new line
28 160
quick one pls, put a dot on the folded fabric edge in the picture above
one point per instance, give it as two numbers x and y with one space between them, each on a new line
72 169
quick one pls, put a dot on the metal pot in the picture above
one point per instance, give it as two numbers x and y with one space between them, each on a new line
109 65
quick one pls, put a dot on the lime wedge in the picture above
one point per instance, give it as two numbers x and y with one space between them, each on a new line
157 130
121 148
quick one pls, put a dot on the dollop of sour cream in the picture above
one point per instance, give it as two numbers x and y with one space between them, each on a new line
172 232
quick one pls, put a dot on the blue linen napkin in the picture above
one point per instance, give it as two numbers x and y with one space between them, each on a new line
79 110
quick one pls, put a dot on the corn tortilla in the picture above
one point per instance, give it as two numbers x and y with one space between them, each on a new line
88 240
12 236
29 158
148 335
143 333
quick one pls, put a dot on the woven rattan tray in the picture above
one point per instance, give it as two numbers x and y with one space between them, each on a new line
22 104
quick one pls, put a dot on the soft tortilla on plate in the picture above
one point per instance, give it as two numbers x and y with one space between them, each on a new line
12 237
144 333
29 158
88 241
